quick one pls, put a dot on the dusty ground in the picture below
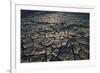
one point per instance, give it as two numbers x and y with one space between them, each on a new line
54 36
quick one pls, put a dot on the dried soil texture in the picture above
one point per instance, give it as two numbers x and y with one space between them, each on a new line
54 36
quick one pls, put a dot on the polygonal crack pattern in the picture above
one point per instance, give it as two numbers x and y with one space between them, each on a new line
54 36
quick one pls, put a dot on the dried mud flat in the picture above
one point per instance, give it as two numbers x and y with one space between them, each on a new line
54 36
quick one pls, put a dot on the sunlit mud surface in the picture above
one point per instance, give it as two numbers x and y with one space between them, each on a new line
54 36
